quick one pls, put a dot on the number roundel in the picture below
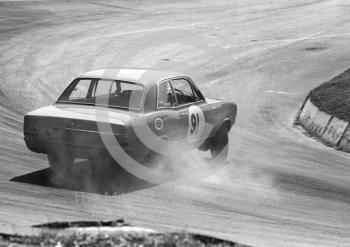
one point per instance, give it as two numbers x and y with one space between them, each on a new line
196 122
158 123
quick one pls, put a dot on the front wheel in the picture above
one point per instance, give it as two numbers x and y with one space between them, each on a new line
219 144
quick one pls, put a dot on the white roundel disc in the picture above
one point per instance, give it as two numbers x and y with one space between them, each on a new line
196 123
158 123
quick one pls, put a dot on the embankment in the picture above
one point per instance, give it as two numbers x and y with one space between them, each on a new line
325 113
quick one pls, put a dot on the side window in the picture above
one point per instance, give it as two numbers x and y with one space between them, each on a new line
114 88
183 91
80 90
165 95
197 93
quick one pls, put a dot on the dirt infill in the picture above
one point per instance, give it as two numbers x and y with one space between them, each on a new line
115 239
108 233
333 97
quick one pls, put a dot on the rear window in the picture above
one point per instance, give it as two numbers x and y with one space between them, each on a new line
110 93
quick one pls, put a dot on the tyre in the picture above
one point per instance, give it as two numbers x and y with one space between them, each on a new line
219 144
102 163
154 159
60 161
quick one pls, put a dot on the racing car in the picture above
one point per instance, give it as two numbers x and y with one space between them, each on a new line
167 104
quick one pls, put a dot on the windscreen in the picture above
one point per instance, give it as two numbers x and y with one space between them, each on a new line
118 94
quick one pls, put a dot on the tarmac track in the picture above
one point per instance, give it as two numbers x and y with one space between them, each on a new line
280 187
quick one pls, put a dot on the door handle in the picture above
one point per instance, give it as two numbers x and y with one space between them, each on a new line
183 114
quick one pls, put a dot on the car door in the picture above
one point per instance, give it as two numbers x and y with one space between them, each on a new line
211 112
191 119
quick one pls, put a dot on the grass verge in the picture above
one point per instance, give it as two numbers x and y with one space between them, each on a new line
333 97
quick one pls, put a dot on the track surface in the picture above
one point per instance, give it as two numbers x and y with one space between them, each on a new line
280 187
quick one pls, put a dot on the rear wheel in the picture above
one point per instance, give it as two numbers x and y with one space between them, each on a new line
60 160
219 144
102 163
158 160
152 158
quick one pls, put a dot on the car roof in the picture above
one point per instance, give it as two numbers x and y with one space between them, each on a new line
138 75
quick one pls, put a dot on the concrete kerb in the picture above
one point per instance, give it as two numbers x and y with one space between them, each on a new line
329 129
